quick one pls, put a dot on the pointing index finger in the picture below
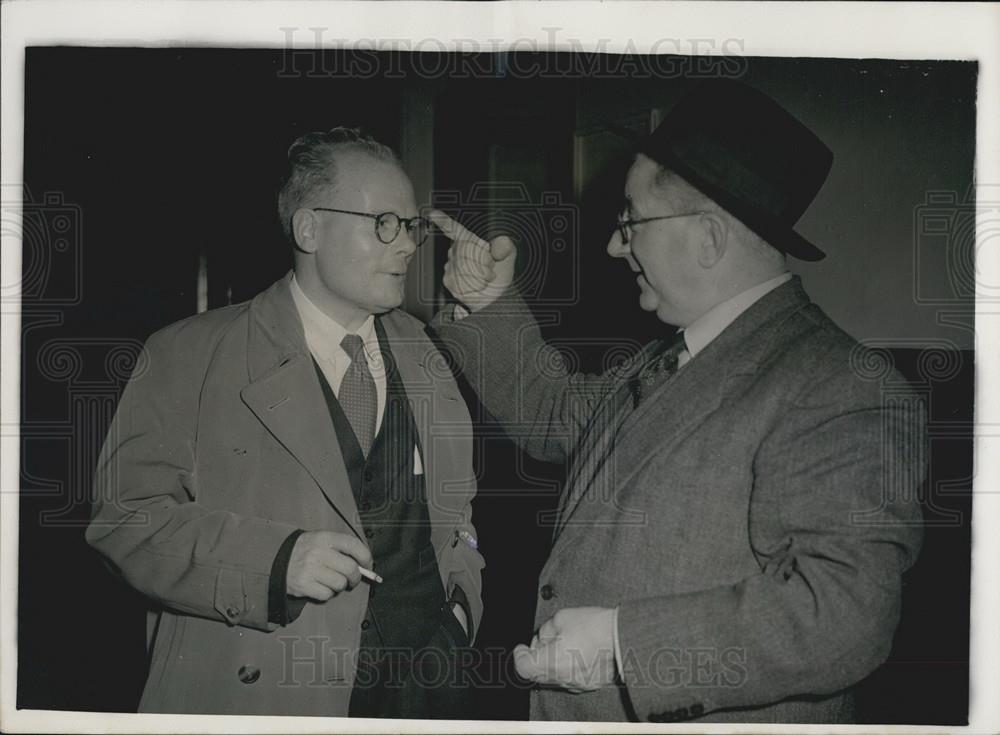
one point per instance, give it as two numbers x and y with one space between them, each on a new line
453 230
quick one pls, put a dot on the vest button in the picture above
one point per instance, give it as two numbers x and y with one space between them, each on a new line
369 532
366 624
248 674
547 592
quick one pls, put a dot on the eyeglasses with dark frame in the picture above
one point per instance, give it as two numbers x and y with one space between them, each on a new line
388 225
624 224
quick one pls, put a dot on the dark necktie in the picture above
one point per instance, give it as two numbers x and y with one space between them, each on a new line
357 393
661 367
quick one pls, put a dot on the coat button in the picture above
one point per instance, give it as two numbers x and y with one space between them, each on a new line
248 674
547 592
232 612
366 624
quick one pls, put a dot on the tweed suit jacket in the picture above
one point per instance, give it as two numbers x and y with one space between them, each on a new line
751 519
222 445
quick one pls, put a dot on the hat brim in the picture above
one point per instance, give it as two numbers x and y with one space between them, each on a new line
775 232
798 247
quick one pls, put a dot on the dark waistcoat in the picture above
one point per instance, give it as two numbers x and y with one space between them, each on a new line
404 610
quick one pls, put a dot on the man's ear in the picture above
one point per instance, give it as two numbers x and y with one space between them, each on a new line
714 241
304 224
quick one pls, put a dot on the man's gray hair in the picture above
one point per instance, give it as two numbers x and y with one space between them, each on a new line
312 167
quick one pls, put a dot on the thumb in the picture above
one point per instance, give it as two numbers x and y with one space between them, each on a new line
526 662
501 247
549 631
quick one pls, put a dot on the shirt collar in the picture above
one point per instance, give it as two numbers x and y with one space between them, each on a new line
321 329
712 323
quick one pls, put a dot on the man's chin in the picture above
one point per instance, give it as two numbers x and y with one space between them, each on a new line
648 301
390 302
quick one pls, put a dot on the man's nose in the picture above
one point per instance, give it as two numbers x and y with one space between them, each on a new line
404 242
616 247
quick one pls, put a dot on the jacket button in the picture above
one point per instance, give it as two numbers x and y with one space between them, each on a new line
248 674
366 624
547 592
232 612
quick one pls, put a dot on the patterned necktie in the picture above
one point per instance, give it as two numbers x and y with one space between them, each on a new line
357 393
661 367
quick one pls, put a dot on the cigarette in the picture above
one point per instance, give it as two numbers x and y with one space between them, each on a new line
369 574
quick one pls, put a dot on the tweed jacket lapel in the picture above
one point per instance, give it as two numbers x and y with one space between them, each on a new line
597 441
676 408
285 395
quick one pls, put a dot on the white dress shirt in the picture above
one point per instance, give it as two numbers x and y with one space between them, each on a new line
712 323
323 336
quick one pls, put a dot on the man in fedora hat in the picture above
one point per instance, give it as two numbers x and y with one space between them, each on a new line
740 502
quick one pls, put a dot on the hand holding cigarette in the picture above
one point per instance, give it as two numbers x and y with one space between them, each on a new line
325 563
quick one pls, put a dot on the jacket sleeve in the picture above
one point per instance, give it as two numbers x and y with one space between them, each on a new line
523 382
834 521
147 521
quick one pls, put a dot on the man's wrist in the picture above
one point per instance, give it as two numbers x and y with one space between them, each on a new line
278 610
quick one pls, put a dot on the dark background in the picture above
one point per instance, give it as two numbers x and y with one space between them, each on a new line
144 167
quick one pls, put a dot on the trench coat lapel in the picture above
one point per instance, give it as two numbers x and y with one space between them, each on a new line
676 409
441 419
285 395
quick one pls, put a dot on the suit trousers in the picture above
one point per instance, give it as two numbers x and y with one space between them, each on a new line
430 682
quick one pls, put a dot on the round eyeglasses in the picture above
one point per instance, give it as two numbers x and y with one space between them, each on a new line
388 225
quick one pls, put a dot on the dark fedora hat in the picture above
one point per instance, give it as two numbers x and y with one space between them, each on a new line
747 153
